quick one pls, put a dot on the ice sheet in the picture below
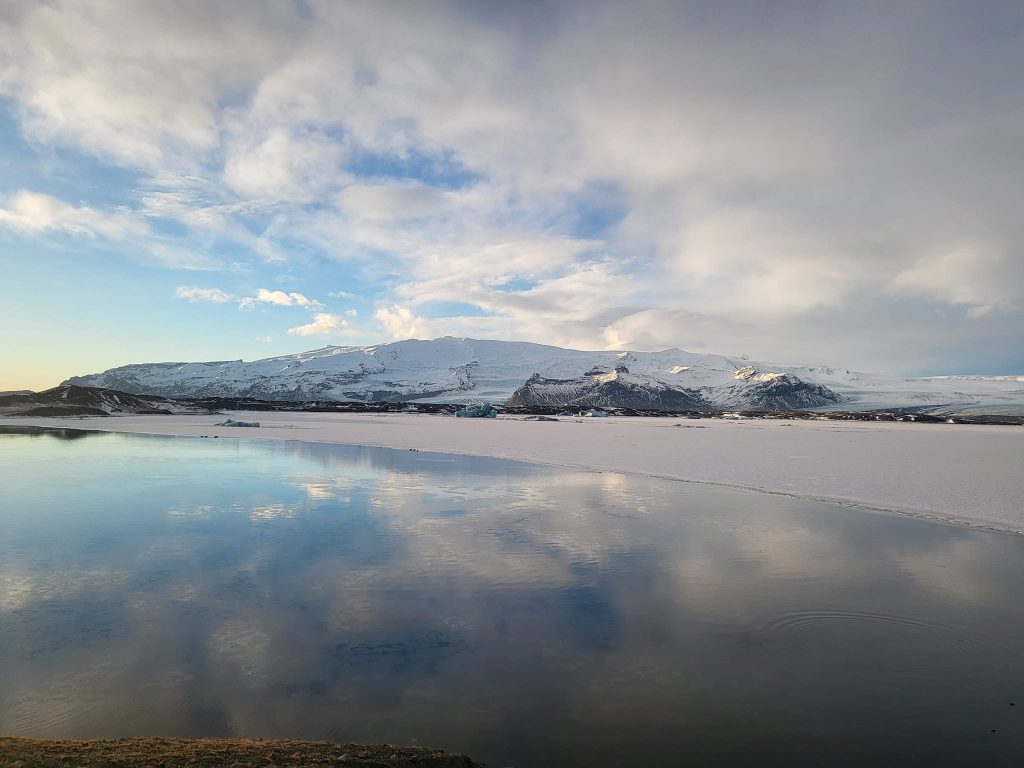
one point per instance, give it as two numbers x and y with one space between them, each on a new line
964 473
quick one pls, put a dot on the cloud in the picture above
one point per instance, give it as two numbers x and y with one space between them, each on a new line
977 275
32 212
124 231
282 299
140 86
645 330
761 262
263 296
278 298
666 173
393 202
193 293
283 166
400 323
324 324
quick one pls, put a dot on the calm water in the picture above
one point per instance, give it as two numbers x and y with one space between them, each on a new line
524 615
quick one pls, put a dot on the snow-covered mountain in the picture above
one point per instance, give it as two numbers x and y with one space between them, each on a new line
467 370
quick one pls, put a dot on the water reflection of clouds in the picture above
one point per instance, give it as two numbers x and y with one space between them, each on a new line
273 511
958 567
201 511
318 491
20 587
244 644
555 596
506 532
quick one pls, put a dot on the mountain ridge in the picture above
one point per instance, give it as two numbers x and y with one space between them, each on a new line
460 370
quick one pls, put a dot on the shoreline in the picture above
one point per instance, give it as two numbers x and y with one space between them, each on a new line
176 753
967 476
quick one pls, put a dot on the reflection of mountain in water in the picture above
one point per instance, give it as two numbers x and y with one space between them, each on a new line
57 433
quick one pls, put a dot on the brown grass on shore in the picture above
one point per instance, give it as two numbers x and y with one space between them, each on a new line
220 753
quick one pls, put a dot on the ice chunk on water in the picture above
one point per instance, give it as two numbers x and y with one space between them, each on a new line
483 411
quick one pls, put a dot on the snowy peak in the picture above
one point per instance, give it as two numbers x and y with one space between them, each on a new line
750 373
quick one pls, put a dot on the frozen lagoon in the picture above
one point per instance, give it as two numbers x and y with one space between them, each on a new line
964 473
523 614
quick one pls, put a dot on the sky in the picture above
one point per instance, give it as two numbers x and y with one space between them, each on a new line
835 183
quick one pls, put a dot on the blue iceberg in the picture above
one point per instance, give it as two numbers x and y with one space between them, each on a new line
483 411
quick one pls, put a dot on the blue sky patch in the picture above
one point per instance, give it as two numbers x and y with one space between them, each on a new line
516 285
441 169
597 209
63 172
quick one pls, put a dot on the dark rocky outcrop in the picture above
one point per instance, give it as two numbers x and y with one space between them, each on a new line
71 400
598 389
784 392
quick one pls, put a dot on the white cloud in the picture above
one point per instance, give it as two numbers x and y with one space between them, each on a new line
283 166
975 275
193 293
281 298
278 298
207 212
767 184
755 261
400 323
263 296
138 84
324 324
659 329
36 214
32 212
393 202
